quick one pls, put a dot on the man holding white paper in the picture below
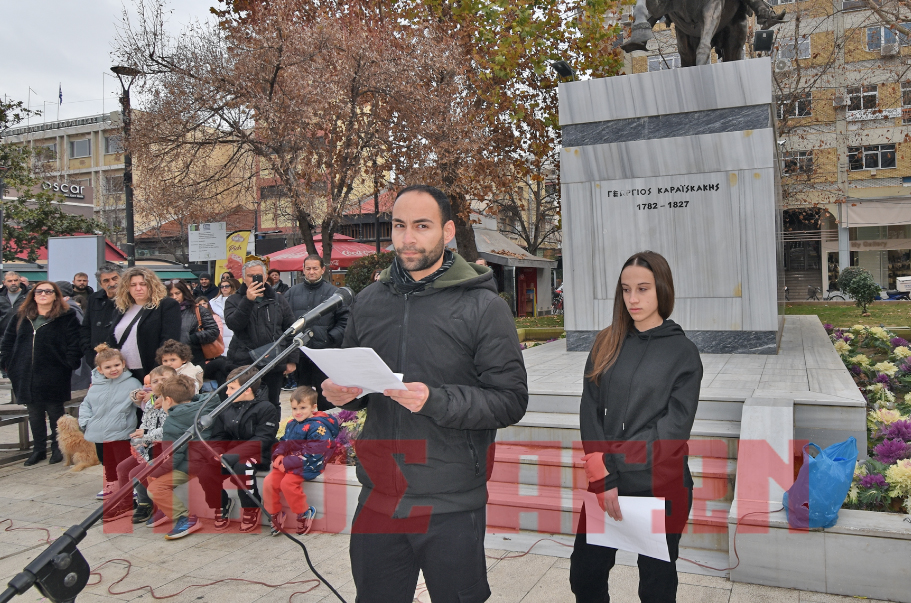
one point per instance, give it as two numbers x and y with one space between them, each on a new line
426 451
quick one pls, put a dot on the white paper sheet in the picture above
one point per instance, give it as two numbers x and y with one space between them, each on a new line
356 367
641 531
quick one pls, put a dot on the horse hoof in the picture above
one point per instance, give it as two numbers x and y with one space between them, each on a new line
633 46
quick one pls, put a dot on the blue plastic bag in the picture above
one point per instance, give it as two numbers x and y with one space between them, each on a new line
821 486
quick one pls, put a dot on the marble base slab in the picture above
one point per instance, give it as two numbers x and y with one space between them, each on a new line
708 342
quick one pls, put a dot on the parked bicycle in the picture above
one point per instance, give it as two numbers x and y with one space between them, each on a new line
833 295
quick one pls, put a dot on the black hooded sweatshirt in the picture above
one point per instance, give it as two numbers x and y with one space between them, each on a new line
650 394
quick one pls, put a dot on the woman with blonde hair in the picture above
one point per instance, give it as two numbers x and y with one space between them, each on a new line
39 350
145 318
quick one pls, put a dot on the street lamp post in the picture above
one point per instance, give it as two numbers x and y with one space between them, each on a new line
3 170
129 72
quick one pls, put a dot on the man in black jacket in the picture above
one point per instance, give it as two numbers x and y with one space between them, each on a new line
98 314
328 330
205 288
258 316
424 453
12 294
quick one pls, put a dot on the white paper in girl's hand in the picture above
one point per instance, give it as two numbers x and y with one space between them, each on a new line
641 531
356 367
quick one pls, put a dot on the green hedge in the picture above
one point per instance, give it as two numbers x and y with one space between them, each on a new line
360 272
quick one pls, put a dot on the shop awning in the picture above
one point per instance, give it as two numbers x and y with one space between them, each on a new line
878 212
345 251
171 274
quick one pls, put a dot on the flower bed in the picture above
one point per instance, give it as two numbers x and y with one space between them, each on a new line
880 364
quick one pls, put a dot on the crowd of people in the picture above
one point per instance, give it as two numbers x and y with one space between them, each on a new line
431 316
140 346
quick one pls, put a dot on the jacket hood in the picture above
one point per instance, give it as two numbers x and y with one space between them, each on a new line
188 407
98 378
460 274
329 422
668 328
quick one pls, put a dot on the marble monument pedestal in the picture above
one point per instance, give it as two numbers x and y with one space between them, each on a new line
681 162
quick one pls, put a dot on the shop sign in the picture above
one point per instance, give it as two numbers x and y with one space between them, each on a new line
70 191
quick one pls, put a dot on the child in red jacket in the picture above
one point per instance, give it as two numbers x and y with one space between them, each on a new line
299 456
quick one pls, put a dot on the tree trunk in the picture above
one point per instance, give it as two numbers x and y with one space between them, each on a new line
461 215
306 230
327 228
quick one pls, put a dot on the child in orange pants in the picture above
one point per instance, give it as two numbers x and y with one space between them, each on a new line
299 456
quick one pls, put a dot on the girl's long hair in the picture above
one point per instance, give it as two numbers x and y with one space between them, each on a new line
124 301
29 307
609 341
184 289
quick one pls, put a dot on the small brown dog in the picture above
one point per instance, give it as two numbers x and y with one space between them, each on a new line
73 444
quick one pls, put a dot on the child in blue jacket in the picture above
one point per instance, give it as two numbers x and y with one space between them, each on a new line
300 456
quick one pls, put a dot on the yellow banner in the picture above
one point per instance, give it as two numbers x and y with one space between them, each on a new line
236 245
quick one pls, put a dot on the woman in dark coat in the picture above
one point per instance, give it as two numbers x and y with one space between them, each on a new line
190 331
40 350
145 318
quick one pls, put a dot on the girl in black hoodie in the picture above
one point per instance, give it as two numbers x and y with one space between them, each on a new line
642 382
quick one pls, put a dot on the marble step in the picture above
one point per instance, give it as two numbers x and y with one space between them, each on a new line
568 403
564 429
526 465
556 510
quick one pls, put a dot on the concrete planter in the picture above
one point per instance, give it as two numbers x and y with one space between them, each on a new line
866 554
539 333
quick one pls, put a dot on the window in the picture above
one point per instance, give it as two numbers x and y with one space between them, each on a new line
906 102
112 144
798 162
46 152
272 192
878 156
800 105
658 62
862 97
80 148
113 185
881 34
789 48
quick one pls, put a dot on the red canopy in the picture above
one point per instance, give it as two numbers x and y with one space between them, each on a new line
345 251
111 253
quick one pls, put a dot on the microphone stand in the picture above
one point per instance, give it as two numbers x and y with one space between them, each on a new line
60 572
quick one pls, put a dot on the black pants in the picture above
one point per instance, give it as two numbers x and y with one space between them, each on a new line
36 414
309 374
112 454
451 554
246 471
590 566
274 382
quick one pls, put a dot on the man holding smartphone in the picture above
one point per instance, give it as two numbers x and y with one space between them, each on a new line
258 316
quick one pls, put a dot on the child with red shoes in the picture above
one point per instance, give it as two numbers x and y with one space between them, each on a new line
300 456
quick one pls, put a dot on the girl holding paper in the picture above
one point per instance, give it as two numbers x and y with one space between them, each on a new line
639 401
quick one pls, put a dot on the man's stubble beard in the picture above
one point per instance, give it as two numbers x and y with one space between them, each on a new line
426 260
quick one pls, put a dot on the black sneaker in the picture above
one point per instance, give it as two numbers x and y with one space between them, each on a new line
143 512
35 457
278 523
249 519
223 515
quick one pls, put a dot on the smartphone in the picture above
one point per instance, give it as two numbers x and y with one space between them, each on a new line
257 278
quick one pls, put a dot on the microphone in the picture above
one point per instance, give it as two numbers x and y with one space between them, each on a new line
343 297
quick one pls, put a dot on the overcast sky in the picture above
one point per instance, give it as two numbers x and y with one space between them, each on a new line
67 43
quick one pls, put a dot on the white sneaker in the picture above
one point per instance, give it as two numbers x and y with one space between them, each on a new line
108 490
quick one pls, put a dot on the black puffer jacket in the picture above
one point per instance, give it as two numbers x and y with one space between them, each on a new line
248 421
40 363
153 328
192 336
97 323
256 323
650 394
328 330
459 338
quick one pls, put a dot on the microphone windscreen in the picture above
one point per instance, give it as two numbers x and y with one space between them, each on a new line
346 294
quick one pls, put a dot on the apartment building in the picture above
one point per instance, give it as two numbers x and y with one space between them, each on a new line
82 159
844 125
